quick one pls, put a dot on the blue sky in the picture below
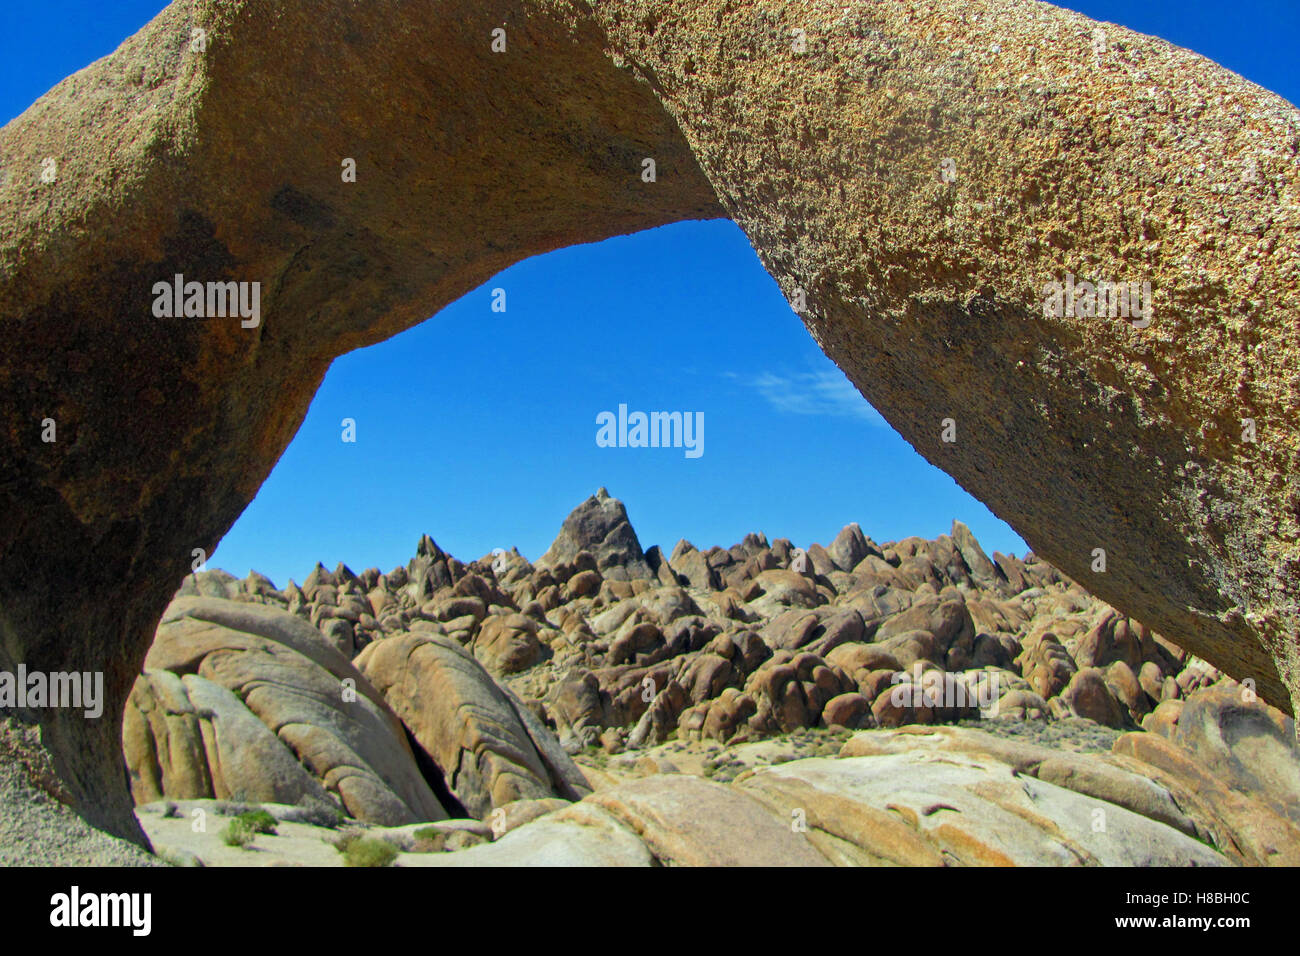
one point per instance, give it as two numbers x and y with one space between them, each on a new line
479 427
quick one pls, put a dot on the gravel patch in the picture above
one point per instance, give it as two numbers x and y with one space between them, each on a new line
38 830
1074 734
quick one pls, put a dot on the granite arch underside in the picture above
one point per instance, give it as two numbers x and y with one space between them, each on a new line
919 171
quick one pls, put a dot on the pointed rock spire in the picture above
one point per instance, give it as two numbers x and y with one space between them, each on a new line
600 525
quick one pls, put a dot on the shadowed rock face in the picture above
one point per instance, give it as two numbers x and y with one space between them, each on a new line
599 525
1120 159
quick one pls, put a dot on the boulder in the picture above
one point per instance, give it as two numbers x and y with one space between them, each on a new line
858 660
966 809
507 643
850 710
1088 695
693 568
490 749
850 547
686 821
948 621
726 716
217 668
600 526
788 588
1247 744
982 571
1046 665
186 737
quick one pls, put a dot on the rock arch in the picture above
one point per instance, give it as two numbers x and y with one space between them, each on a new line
919 171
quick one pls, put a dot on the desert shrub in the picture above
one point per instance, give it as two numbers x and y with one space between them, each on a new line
233 808
238 833
258 821
369 851
317 813
346 839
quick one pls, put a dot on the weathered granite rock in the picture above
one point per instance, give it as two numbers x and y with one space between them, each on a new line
850 547
582 835
1248 829
491 748
982 570
1146 774
172 161
506 644
247 702
186 737
973 810
964 808
600 525
1250 746
686 821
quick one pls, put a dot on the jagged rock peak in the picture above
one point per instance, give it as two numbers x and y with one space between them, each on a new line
600 526
428 548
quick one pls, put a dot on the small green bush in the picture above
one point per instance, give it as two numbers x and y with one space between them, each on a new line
369 851
238 833
258 821
317 813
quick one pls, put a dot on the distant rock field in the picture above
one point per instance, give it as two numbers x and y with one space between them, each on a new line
912 702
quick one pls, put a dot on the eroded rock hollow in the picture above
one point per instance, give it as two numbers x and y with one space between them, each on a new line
913 175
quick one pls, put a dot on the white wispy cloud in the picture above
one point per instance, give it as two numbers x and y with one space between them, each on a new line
827 393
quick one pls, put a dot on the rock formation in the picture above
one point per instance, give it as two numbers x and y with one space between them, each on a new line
914 176
243 701
614 681
972 799
494 749
600 527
